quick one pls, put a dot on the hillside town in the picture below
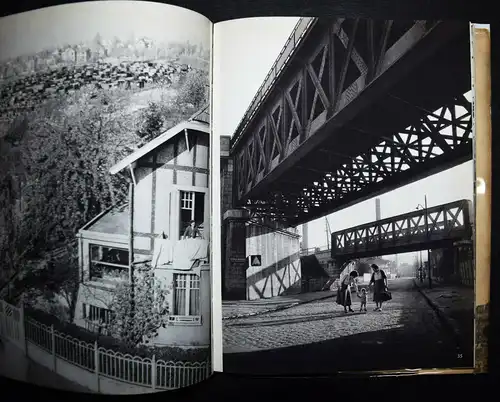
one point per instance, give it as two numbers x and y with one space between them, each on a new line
28 80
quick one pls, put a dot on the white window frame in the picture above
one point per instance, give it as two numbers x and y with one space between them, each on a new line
107 264
96 324
190 200
176 206
193 282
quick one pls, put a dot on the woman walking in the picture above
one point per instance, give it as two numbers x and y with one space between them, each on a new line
379 281
344 292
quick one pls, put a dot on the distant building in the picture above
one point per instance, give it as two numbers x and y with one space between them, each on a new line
30 65
170 176
68 55
82 55
101 52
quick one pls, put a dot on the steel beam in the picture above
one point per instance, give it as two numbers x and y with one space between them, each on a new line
412 231
398 63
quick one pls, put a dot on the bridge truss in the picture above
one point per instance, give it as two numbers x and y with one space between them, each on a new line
361 107
408 232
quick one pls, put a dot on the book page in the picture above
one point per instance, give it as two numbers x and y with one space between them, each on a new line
348 207
105 197
481 73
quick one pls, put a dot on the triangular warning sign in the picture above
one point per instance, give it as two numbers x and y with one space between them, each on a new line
255 261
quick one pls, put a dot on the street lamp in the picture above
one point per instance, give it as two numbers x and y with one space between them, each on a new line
424 207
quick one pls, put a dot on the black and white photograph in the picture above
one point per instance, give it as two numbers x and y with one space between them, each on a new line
104 197
347 195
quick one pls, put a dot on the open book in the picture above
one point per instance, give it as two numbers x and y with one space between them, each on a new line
262 196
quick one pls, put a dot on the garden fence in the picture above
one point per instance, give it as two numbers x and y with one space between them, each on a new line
145 372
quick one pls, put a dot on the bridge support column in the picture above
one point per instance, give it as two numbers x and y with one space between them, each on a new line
234 264
337 265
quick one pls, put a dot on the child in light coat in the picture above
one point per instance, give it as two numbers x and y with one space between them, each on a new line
362 296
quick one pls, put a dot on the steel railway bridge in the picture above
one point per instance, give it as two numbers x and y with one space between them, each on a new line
350 109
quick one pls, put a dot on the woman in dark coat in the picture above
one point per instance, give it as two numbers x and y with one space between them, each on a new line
344 291
379 281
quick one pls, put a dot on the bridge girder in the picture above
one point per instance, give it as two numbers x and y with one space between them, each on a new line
355 113
416 230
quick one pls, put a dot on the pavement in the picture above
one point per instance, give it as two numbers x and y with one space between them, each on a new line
249 308
454 305
15 365
319 338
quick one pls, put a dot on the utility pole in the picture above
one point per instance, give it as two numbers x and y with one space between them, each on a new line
328 232
131 251
305 236
428 239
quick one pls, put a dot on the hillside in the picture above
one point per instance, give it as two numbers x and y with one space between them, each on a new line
104 50
27 92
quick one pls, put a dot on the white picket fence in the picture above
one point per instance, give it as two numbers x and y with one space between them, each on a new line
144 372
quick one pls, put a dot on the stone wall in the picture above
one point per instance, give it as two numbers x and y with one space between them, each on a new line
234 262
226 175
453 264
226 184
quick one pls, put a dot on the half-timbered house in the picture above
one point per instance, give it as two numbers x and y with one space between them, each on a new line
165 223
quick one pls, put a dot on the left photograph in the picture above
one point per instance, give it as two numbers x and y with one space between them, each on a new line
104 197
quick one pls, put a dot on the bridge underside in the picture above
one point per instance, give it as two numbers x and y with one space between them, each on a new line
399 249
399 117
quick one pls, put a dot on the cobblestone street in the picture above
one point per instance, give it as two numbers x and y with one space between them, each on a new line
319 338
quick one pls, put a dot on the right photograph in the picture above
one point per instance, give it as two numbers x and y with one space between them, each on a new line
347 195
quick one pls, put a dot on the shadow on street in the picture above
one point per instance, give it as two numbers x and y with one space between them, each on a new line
318 338
361 352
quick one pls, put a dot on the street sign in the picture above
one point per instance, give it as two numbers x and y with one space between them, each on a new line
255 260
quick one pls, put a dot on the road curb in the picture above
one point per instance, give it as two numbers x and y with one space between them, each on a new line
443 317
279 308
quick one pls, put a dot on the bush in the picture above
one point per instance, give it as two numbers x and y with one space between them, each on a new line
194 89
152 122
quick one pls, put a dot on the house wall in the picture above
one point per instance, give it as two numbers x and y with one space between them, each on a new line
103 239
160 176
184 334
94 292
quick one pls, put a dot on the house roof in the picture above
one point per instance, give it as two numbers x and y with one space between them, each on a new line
202 115
113 221
161 139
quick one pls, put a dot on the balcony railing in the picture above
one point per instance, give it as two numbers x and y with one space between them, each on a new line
314 250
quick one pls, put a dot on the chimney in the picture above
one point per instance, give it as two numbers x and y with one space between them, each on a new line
305 246
377 209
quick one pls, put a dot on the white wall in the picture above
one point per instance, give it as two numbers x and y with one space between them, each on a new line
280 270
